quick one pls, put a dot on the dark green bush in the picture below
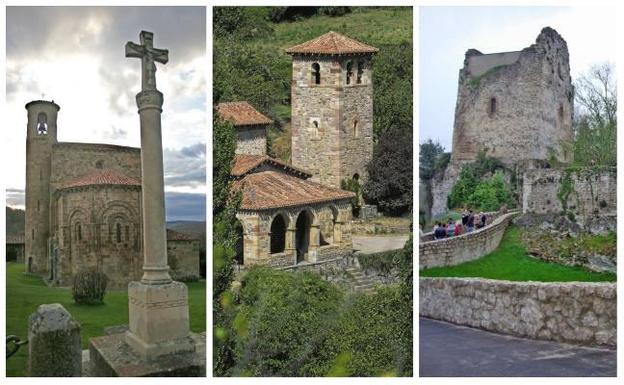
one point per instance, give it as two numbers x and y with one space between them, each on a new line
89 287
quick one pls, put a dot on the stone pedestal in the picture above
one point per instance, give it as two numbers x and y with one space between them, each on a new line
158 319
111 356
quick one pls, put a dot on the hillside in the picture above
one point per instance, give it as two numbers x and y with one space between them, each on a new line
15 221
250 63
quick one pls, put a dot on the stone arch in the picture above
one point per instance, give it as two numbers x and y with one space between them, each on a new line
277 232
77 225
316 73
303 231
42 124
120 224
239 247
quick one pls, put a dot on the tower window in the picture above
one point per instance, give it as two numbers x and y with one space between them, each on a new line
42 124
355 128
32 234
315 123
38 206
349 72
118 232
561 113
493 106
79 232
316 73
360 72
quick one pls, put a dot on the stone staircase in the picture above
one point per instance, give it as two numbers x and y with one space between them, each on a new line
358 281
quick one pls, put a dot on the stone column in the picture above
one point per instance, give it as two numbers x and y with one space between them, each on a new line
158 307
315 242
54 348
290 246
337 236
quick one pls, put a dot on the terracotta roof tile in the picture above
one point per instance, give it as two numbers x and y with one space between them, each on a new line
332 43
173 235
102 177
244 164
271 189
241 114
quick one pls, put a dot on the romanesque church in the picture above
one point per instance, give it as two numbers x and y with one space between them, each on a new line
296 213
83 208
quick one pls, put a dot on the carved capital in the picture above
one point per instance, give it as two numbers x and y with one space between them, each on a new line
149 99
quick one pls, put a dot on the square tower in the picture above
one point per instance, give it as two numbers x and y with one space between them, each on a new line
332 107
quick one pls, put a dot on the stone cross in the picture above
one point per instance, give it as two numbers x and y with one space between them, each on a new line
148 55
158 315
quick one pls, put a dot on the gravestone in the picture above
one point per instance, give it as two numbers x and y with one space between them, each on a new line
53 343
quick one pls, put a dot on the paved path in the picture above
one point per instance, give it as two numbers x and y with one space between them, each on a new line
447 350
375 244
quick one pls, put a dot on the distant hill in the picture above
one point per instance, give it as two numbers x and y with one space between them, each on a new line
197 228
15 219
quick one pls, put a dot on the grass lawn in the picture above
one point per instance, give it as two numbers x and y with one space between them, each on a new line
26 292
511 262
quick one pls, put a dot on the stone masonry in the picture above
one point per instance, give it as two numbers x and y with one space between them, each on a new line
332 118
516 106
580 313
83 205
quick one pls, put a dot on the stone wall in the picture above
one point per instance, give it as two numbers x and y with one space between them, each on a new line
251 140
465 247
591 193
332 122
580 313
183 258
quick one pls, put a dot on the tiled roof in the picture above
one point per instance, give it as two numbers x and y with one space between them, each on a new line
332 43
14 239
272 189
102 177
244 164
241 114
173 235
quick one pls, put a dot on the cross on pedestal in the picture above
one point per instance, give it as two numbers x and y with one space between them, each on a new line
148 55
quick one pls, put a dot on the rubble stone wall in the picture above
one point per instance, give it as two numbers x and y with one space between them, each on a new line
579 313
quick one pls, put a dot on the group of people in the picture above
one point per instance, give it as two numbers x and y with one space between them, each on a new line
467 224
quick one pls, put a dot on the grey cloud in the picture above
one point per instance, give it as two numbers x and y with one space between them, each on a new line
15 197
185 167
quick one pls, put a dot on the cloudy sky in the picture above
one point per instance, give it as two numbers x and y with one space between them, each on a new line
75 56
447 32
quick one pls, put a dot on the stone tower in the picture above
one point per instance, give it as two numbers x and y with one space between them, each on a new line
515 105
332 107
40 137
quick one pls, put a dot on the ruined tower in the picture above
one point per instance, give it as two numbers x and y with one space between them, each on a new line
516 106
40 138
332 107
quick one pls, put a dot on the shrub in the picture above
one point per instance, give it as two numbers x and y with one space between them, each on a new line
89 287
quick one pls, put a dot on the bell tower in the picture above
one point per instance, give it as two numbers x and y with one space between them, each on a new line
40 137
332 107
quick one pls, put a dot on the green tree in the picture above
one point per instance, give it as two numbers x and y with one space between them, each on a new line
595 121
225 236
430 159
490 194
469 179
390 173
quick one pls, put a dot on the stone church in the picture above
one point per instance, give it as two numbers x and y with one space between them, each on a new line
296 213
83 208
516 106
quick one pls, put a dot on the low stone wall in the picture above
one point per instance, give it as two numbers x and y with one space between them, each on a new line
580 313
465 247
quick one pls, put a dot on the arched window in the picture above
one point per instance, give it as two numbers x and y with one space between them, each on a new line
118 232
349 72
316 73
493 106
42 124
78 232
360 72
356 128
